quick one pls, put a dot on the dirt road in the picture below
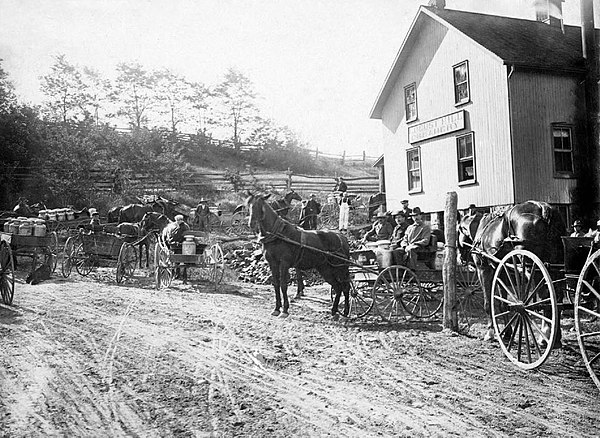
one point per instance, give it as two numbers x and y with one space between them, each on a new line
85 357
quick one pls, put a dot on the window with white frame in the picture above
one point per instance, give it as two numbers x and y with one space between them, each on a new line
410 102
465 148
562 143
413 164
461 83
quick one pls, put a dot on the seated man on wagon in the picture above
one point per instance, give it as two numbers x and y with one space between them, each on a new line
399 229
577 229
381 229
417 236
176 234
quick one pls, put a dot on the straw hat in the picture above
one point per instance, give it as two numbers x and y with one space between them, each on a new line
93 211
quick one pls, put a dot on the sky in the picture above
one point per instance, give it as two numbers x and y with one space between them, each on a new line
318 65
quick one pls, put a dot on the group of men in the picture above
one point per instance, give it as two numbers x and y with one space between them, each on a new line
406 231
578 230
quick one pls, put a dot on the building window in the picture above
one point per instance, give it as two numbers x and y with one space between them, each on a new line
413 162
562 142
466 158
410 102
461 83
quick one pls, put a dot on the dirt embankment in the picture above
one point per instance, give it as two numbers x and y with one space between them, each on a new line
84 357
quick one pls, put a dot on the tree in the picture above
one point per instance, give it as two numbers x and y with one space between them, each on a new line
64 90
8 99
199 99
96 93
174 93
237 99
134 93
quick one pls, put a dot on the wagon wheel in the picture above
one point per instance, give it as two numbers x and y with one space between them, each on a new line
68 260
524 309
7 273
215 222
587 315
216 263
396 289
51 253
84 263
469 294
126 262
163 272
239 223
361 299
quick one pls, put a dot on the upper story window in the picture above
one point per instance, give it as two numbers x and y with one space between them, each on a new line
410 102
413 164
461 83
562 143
465 148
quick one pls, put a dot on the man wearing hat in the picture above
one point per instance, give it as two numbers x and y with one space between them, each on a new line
95 221
381 229
406 211
577 229
202 216
309 213
594 233
416 236
399 229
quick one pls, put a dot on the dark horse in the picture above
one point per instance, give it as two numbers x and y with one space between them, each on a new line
534 226
130 229
287 246
376 201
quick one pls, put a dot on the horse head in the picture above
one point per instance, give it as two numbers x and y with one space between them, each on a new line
154 221
292 196
257 208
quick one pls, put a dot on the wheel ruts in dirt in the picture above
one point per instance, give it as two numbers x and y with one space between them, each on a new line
361 300
522 296
84 263
216 263
7 274
587 315
68 257
163 271
469 295
126 262
398 290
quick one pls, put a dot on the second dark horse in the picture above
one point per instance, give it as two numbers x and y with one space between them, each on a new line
287 246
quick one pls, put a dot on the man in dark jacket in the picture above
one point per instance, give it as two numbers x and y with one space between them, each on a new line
309 214
203 215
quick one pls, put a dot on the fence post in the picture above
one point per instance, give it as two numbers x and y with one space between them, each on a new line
343 157
364 156
317 153
449 268
289 178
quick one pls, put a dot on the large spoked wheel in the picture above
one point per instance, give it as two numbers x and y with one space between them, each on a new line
239 223
7 274
68 257
524 309
587 315
397 289
84 263
126 262
52 252
469 293
360 300
215 261
163 273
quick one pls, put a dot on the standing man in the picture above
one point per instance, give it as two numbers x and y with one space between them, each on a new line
344 212
203 215
416 236
407 212
309 213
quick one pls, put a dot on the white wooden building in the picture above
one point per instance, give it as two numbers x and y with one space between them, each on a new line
489 107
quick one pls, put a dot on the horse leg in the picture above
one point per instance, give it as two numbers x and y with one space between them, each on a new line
300 284
486 275
284 273
277 286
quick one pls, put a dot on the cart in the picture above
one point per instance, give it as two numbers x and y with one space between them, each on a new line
528 296
41 249
85 251
392 292
209 260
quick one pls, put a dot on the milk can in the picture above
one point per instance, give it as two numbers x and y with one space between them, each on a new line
6 226
51 215
25 228
42 214
70 214
14 226
189 246
39 229
61 214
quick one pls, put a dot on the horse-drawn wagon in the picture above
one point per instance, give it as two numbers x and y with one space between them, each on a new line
87 249
205 256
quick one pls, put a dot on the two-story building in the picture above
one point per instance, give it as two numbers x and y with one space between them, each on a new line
490 107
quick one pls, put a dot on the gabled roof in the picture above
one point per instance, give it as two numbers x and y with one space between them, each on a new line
519 42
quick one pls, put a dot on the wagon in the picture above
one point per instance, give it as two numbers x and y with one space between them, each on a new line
528 296
209 260
393 291
7 273
87 249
